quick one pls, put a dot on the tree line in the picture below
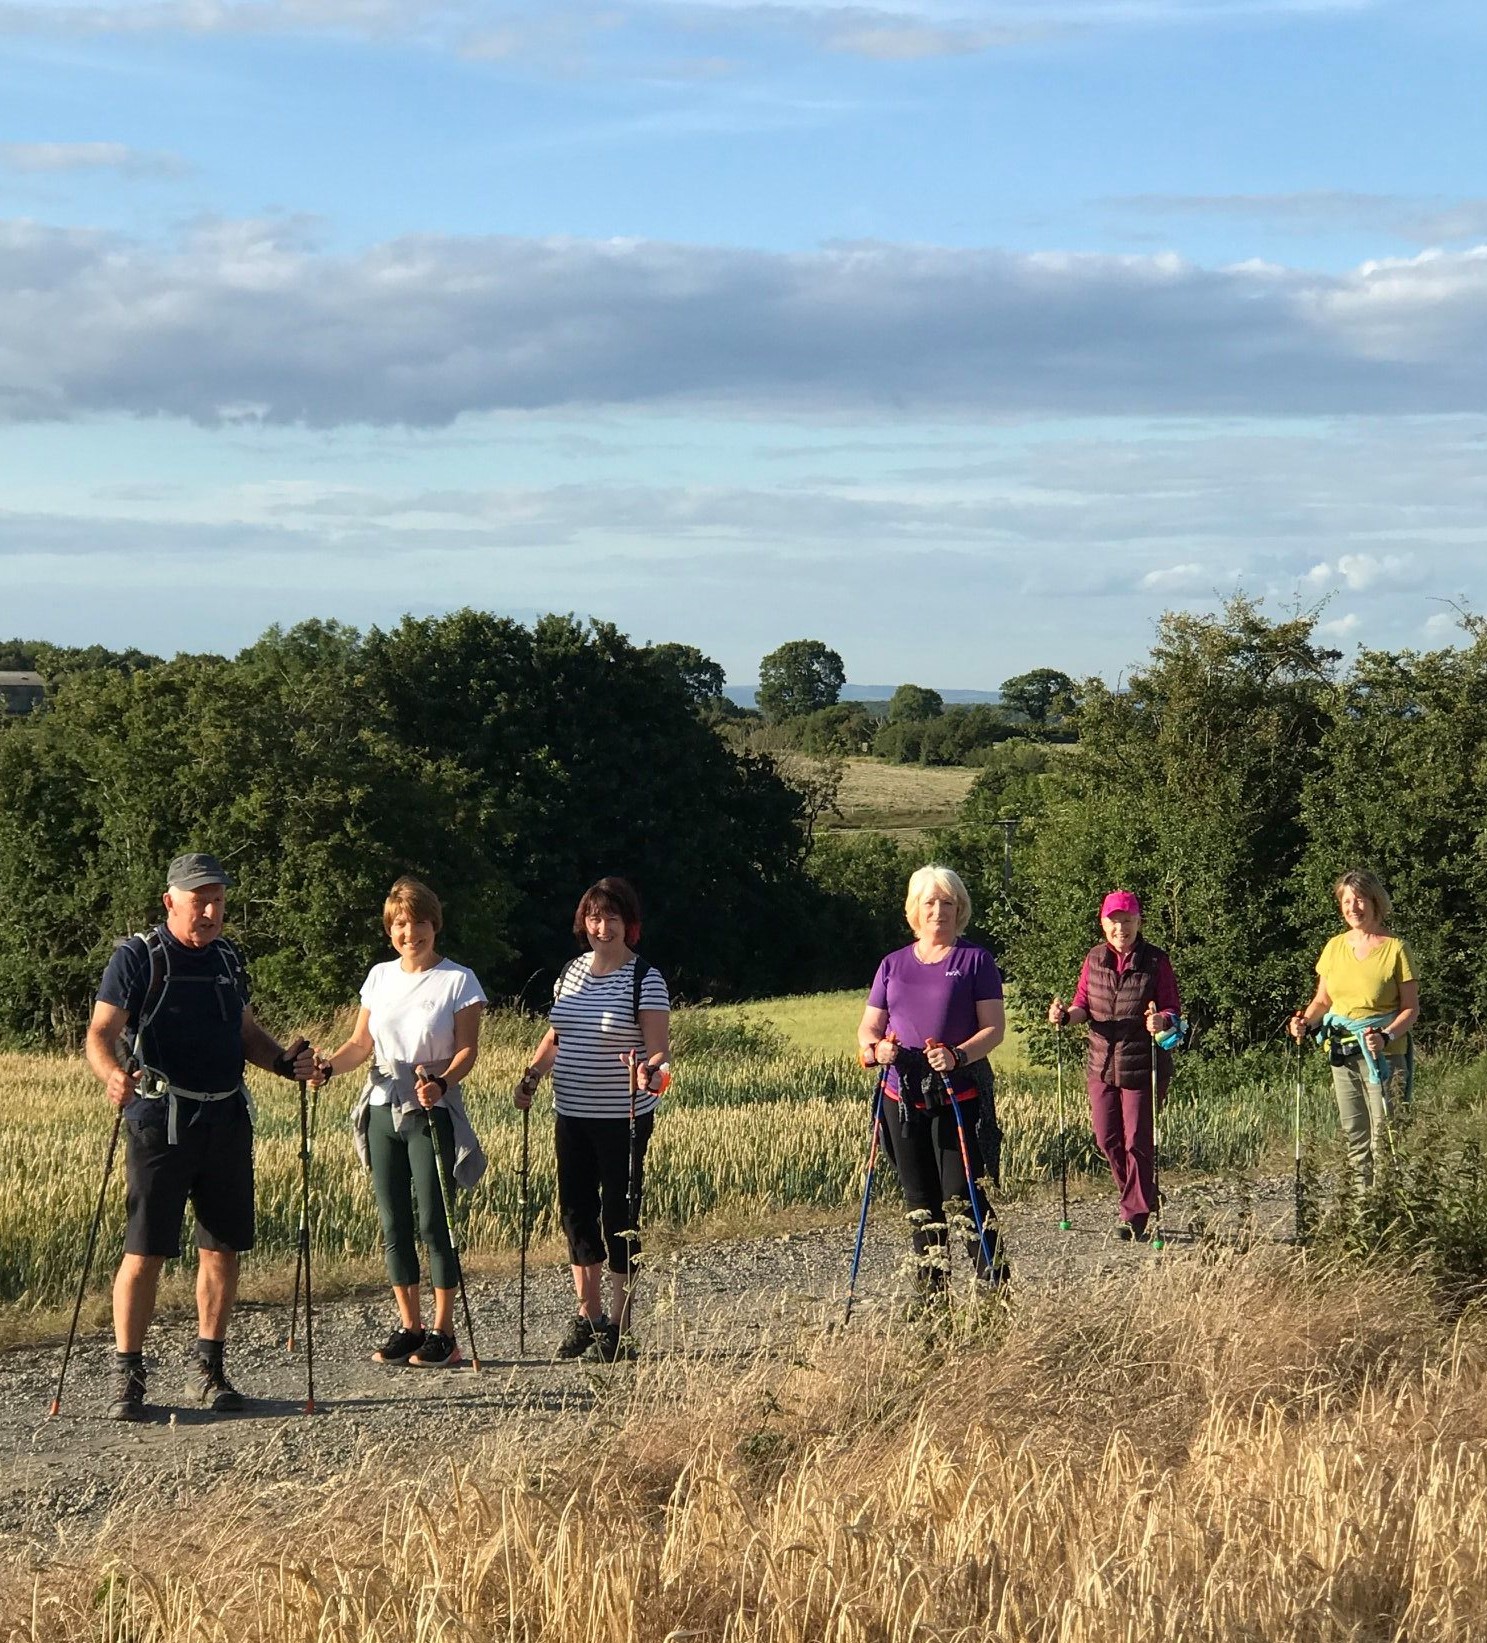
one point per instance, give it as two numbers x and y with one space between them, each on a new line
509 766
1231 779
1228 780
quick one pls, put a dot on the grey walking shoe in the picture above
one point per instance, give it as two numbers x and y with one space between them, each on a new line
207 1387
129 1396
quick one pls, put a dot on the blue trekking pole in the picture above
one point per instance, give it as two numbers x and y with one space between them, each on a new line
965 1159
867 1192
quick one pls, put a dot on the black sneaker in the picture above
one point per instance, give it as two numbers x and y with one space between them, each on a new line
609 1346
1124 1231
129 1396
437 1352
208 1387
400 1345
582 1333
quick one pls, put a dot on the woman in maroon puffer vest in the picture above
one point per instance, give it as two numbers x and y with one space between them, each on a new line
1127 993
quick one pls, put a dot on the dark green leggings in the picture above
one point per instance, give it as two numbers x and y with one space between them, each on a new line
402 1169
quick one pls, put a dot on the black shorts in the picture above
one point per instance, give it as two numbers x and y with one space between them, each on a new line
211 1164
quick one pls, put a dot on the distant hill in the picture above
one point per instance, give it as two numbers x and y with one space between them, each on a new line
744 695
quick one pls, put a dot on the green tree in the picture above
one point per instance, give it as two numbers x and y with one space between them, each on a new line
1187 788
1038 694
914 702
802 676
1400 785
702 678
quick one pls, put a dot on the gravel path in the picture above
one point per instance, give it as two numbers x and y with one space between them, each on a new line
62 1477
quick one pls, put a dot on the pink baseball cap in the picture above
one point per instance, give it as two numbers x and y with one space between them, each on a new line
1121 901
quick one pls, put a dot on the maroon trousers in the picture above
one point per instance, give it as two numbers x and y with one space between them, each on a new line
1123 1127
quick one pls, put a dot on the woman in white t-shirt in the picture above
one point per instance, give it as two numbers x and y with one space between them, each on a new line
420 1020
610 1008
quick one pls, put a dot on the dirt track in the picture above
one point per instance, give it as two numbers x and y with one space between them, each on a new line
62 1477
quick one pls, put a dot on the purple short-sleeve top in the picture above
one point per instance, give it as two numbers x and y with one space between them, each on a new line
938 1001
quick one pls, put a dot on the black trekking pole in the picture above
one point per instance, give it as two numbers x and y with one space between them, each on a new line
1300 1185
1157 1240
867 1191
1065 1224
632 1208
454 1246
521 1294
299 1264
304 1246
965 1159
108 1164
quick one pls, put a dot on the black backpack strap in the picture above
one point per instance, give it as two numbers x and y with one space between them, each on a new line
643 968
231 959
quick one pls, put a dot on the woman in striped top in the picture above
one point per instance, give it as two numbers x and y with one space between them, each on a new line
608 1004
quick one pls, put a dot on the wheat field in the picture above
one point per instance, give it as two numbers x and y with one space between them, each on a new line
1253 1449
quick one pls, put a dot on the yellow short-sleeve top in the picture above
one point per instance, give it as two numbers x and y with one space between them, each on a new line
1368 985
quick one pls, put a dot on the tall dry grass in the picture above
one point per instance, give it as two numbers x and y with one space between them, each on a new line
1251 1450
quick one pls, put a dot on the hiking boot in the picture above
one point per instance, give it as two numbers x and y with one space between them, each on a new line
609 1346
129 1396
208 1387
582 1334
1140 1229
437 1352
400 1345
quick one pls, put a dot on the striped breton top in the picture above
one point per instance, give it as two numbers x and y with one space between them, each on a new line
595 1023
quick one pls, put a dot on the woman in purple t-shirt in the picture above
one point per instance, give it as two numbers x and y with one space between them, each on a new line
936 1007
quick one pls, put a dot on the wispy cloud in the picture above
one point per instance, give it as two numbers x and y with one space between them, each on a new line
1420 220
249 321
517 29
42 158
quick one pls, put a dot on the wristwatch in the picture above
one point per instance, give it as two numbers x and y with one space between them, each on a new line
960 1056
1386 1035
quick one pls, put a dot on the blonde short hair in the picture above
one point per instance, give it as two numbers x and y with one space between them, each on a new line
412 898
1363 882
947 882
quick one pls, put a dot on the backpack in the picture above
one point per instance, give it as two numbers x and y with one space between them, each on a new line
228 956
643 968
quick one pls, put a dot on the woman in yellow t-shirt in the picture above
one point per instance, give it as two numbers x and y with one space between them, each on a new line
1369 999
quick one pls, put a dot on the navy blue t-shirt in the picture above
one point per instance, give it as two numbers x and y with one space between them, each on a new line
195 1038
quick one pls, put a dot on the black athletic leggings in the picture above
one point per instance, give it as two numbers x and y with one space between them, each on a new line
594 1185
402 1167
931 1173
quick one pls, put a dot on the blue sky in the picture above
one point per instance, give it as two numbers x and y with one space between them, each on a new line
966 338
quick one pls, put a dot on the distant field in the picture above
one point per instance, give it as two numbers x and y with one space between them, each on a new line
826 1023
901 799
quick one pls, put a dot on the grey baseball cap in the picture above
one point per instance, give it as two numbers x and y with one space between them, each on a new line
193 870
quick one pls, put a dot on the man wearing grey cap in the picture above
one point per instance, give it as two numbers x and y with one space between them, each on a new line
177 998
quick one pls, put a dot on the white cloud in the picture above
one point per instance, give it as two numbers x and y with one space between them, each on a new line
1361 571
252 318
68 157
1188 578
1340 627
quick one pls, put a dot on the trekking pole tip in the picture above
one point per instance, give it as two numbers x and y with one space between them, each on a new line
310 1406
55 1410
1066 1226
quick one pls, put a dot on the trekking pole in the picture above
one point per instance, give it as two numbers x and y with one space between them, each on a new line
454 1247
965 1159
867 1192
521 1293
299 1264
1300 1187
304 1246
632 1209
108 1164
1157 1240
1065 1224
